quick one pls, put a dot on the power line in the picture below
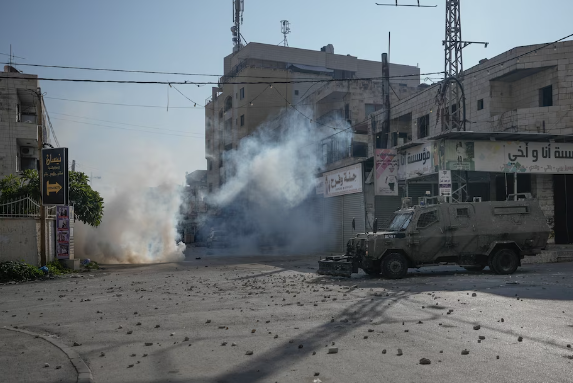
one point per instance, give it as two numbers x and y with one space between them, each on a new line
172 86
131 71
117 104
122 123
135 130
224 83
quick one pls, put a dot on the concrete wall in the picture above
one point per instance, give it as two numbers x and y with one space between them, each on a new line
510 93
19 240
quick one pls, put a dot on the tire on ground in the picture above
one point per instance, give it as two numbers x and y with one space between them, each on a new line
394 266
504 261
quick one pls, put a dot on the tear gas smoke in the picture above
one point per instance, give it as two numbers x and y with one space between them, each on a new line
139 221
269 181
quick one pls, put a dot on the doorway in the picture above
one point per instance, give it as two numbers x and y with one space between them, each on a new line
563 203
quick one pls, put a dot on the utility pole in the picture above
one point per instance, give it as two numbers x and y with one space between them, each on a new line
453 68
43 258
385 131
73 165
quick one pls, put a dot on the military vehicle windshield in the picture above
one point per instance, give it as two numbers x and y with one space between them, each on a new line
400 221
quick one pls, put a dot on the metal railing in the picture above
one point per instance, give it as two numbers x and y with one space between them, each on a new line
24 207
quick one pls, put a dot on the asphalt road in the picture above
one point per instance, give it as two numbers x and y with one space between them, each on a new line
201 317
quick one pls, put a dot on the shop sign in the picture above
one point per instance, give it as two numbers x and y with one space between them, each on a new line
417 161
509 157
347 180
63 232
445 182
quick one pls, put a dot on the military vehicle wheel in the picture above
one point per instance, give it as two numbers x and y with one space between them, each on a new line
475 268
504 261
394 266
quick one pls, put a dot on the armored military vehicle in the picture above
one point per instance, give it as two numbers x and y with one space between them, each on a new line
472 234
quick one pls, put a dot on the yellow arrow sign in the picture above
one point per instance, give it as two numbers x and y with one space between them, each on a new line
52 188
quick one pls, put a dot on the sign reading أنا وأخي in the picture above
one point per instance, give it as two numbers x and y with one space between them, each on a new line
54 176
347 180
509 157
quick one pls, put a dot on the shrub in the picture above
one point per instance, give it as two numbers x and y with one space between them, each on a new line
18 271
56 268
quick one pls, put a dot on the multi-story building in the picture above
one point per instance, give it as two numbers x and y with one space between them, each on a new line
20 107
261 81
517 137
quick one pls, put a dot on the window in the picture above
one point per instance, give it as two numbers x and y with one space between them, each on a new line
209 165
242 93
426 219
296 92
371 108
242 119
210 188
463 212
423 126
546 96
359 149
347 112
480 104
228 103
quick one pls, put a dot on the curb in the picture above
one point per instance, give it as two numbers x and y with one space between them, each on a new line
84 372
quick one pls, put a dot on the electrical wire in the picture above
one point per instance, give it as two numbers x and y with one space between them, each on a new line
217 83
173 86
135 130
117 104
123 123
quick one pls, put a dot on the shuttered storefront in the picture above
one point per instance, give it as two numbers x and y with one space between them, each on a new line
333 219
353 207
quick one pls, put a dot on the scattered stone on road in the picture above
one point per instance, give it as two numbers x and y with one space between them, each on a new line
333 350
465 352
425 361
249 353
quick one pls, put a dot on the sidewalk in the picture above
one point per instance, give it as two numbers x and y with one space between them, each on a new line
25 357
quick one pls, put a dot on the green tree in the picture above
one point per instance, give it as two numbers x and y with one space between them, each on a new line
88 204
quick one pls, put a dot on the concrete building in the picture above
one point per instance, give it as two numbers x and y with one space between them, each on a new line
19 111
245 98
20 107
517 138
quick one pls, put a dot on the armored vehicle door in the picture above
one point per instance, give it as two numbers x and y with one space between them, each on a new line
427 237
461 235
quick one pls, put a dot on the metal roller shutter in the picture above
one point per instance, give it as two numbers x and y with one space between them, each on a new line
385 207
419 190
333 218
353 208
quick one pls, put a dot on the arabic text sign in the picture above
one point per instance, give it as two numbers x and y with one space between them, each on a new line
445 182
386 172
510 157
417 161
54 177
347 180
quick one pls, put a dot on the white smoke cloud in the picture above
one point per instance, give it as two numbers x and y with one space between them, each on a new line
140 217
270 178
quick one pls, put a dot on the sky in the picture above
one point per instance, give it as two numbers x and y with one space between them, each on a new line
191 36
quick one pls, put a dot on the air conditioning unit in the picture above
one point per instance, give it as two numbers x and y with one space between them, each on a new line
27 151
